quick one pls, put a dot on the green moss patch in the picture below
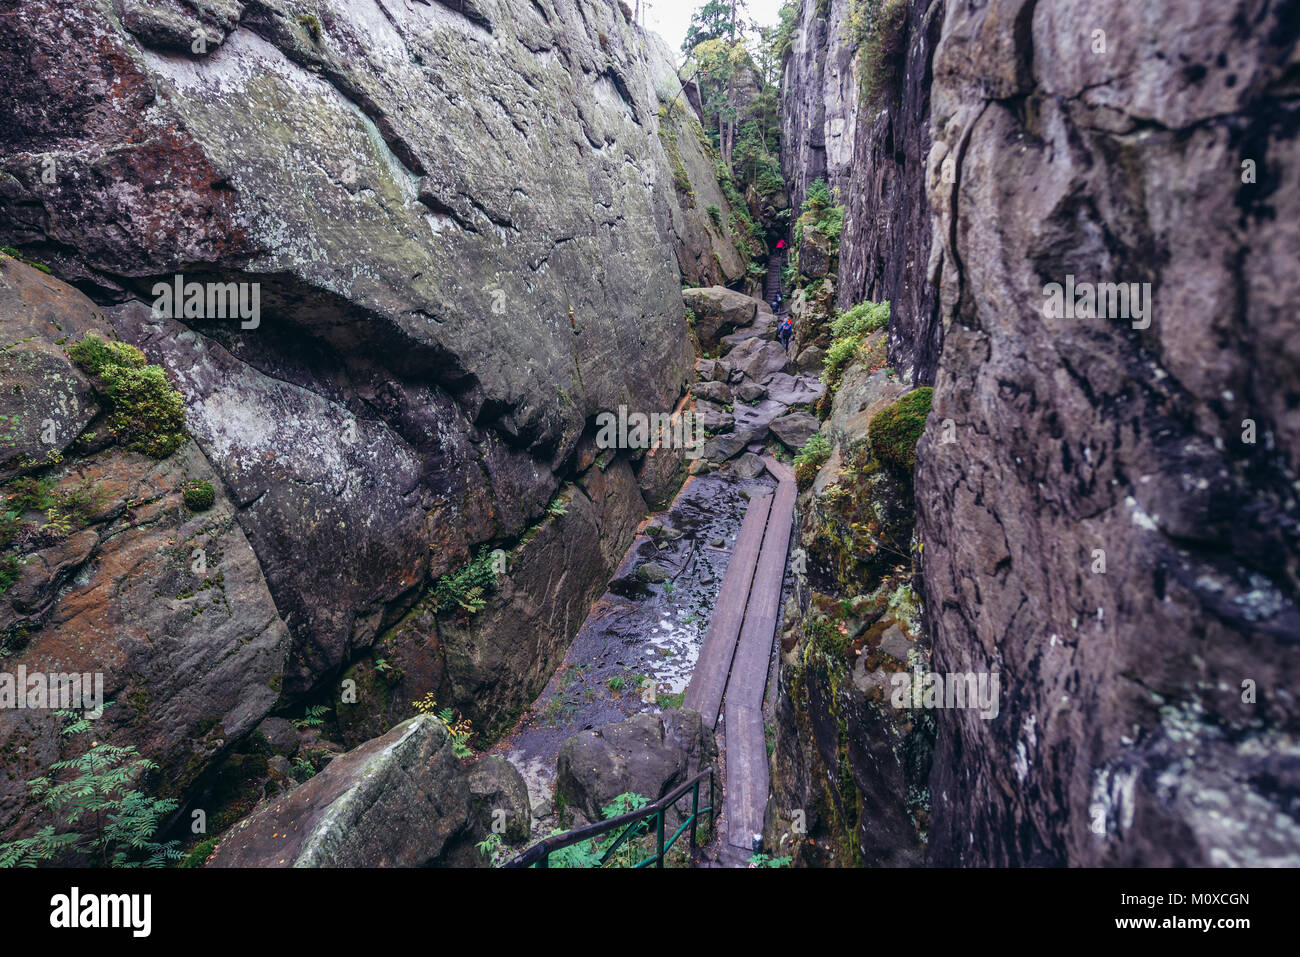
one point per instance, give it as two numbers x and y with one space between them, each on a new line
198 496
895 430
145 412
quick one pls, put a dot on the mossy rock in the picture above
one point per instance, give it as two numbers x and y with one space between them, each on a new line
895 430
198 496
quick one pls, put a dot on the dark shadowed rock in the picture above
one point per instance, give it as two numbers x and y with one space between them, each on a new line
810 359
718 392
725 446
647 754
498 793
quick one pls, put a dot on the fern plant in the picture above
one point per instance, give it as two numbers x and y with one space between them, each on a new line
101 815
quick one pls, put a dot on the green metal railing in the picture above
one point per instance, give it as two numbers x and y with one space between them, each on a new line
634 824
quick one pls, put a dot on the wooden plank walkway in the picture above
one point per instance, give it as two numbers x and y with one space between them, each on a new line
747 772
736 653
704 693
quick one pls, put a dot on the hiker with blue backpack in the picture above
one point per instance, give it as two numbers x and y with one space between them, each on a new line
786 332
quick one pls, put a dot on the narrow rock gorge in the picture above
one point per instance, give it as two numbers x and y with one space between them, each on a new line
320 315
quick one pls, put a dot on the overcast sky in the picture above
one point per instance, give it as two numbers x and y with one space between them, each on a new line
670 18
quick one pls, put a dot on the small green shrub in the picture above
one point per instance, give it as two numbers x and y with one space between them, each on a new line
100 814
863 318
29 492
895 430
715 214
311 25
199 853
198 496
811 458
848 330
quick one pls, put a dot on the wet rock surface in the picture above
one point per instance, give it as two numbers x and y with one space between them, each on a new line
637 649
647 754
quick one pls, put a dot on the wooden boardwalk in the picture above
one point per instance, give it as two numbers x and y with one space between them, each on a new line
737 651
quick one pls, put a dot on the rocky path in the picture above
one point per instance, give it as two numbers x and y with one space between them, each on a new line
688 619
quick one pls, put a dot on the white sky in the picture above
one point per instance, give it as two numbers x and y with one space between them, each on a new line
670 18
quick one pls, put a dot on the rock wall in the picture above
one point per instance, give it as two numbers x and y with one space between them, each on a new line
1128 734
819 100
1106 510
461 222
873 147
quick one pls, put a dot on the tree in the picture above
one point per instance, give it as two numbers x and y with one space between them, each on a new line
715 20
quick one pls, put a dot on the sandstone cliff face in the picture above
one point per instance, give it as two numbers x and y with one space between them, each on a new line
462 221
1145 717
819 101
874 148
168 604
1124 737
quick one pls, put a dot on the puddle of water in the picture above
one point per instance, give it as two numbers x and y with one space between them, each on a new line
640 640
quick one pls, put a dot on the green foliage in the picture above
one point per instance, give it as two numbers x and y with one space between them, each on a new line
878 25
848 330
311 25
302 769
313 717
14 253
11 567
199 853
30 492
714 20
588 853
468 587
833 642
715 213
144 410
863 318
811 458
766 860
492 849
100 814
895 430
198 496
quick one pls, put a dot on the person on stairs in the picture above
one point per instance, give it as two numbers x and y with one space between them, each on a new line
786 331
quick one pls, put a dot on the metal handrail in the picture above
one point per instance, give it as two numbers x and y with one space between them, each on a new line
540 853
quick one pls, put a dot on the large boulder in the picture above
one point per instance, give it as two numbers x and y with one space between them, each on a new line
396 801
718 311
795 429
758 358
167 603
718 392
499 799
793 390
422 368
648 754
